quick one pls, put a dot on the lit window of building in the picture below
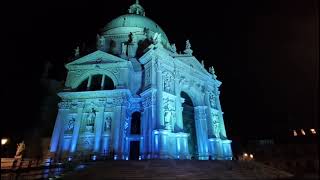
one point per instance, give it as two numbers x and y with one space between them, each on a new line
313 131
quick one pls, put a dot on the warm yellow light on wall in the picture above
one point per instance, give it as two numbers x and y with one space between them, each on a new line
245 154
302 132
251 156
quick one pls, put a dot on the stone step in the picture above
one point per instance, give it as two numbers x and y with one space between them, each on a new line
178 169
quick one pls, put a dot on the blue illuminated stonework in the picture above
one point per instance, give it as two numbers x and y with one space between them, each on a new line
137 98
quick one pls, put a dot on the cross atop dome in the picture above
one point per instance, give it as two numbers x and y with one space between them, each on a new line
136 8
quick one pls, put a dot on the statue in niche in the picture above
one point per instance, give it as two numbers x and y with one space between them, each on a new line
71 124
168 114
167 120
107 123
77 52
20 148
211 99
90 120
216 127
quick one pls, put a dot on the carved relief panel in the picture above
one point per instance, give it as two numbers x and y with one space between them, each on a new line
169 113
168 82
215 124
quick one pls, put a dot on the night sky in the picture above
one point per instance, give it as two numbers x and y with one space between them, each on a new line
266 54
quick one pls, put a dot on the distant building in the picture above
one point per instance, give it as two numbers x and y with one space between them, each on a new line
137 98
296 153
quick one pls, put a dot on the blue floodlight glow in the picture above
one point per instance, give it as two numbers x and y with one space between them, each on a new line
112 99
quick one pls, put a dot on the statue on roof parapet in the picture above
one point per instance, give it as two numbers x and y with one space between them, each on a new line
100 42
174 48
188 49
156 39
211 70
77 52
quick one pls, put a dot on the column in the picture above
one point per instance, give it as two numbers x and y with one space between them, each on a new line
76 130
102 81
201 131
58 127
209 122
116 130
123 131
89 82
98 130
159 122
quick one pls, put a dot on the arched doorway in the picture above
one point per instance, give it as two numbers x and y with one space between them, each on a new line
189 125
135 129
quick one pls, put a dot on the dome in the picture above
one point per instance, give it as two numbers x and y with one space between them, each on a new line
137 21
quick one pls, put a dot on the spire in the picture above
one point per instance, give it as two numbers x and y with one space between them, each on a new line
136 8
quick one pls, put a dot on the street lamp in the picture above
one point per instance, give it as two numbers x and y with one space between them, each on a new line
4 141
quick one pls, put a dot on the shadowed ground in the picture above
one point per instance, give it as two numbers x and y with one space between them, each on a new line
177 169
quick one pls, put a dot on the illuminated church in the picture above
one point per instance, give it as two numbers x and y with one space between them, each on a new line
136 97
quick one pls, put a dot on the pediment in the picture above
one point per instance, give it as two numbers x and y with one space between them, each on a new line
97 57
193 62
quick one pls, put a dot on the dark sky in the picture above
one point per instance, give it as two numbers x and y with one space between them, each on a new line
266 53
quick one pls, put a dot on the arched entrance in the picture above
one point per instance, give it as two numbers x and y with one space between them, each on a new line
189 125
135 129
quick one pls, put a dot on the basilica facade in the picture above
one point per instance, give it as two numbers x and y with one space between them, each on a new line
136 97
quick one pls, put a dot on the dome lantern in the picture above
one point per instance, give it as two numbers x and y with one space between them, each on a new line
136 8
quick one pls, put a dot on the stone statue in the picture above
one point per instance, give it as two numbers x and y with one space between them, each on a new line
202 63
167 120
156 38
123 49
71 124
20 148
188 49
90 120
77 51
100 41
211 70
168 114
174 48
216 127
107 123
131 38
146 32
